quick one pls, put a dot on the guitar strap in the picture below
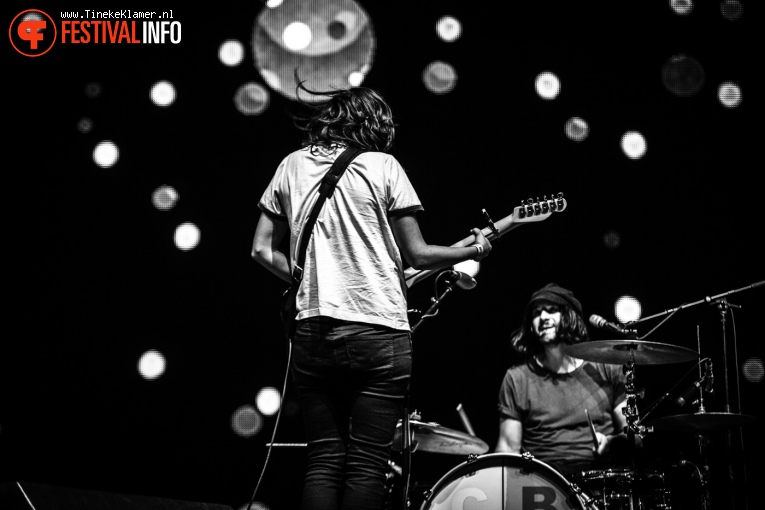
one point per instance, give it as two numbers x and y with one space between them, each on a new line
328 184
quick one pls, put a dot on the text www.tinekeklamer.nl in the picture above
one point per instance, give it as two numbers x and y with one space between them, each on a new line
119 27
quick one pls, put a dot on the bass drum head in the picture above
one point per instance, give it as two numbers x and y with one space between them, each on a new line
502 481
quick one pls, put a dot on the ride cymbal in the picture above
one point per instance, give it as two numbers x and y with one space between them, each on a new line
619 352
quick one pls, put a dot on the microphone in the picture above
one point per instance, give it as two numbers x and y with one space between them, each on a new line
462 280
601 323
689 391
709 377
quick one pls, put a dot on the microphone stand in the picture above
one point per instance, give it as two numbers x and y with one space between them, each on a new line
723 306
406 447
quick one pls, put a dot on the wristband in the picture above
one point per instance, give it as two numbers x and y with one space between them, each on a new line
479 249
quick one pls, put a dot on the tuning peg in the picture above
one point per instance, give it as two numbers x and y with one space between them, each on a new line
537 208
522 210
529 208
545 205
553 205
560 202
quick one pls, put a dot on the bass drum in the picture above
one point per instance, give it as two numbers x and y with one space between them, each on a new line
503 481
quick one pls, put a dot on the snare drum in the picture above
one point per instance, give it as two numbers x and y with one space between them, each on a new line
503 481
624 489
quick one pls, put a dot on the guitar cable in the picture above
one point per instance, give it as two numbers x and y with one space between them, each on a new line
276 425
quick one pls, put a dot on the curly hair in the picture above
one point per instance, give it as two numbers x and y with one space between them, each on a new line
357 116
571 330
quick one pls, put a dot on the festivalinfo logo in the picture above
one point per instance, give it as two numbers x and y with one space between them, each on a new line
33 32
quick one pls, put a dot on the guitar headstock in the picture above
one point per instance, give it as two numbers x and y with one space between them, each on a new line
537 210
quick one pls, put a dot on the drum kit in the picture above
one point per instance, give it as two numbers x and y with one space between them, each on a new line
519 481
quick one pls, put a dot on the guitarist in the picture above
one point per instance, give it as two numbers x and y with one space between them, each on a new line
352 355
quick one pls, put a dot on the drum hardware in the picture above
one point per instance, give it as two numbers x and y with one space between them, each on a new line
703 421
432 437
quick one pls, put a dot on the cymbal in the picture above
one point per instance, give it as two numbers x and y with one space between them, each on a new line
702 422
432 437
619 352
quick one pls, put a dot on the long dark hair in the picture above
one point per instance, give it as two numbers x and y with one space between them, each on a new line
356 116
571 330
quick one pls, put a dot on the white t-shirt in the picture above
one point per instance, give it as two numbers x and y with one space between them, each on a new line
353 269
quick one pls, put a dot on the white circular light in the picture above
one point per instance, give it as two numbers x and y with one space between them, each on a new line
681 7
296 36
252 99
355 79
729 94
627 309
246 421
186 236
231 52
163 93
577 129
268 401
164 198
151 364
439 77
106 154
449 28
633 145
547 85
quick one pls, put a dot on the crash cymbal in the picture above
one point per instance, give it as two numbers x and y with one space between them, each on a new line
619 352
432 437
702 422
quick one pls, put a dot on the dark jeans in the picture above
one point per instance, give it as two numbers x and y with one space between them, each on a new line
351 379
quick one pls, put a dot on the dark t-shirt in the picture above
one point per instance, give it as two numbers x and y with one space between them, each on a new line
551 409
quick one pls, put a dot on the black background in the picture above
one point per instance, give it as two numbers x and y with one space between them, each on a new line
95 280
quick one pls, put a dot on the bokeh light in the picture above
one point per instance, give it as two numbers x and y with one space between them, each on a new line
231 53
729 94
633 145
164 197
251 99
681 7
627 309
268 401
448 28
325 41
106 154
439 77
163 93
683 75
93 89
753 370
246 421
731 10
187 236
547 85
151 364
296 36
355 79
85 125
612 240
577 129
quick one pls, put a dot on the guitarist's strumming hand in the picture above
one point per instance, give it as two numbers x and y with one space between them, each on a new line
482 242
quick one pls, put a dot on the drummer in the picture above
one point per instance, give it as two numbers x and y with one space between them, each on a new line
543 398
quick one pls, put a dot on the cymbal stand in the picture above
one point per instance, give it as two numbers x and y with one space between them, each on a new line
631 411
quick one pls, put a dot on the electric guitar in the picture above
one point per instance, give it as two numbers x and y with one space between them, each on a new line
529 211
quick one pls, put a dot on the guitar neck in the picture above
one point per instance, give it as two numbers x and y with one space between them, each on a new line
503 226
530 212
